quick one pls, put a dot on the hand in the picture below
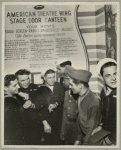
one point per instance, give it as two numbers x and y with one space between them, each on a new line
47 127
24 95
51 107
27 104
62 136
77 142
96 130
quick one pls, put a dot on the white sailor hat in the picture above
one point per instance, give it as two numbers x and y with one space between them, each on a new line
59 61
45 70
102 62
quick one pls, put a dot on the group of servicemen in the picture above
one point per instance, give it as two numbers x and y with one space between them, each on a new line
61 113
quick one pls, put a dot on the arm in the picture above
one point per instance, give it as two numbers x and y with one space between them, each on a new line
93 122
111 139
64 120
79 137
59 94
57 98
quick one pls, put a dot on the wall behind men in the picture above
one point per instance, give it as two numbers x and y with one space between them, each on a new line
91 19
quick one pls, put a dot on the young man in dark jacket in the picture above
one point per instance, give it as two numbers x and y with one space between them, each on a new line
35 109
55 105
107 68
13 120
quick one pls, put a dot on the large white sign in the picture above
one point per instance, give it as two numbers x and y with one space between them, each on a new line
38 35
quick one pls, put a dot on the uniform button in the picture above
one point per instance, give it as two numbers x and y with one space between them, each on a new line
69 100
41 105
68 115
39 114
68 107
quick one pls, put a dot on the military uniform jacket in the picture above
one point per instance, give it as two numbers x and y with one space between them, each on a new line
38 98
108 108
55 96
69 122
88 116
13 122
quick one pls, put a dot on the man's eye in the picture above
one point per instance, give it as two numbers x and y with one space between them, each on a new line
115 73
107 75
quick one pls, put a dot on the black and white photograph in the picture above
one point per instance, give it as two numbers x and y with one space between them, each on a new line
60 75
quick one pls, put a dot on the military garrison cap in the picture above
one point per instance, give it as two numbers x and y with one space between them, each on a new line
81 75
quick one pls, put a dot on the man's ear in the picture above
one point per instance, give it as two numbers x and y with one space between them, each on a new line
5 88
44 77
80 85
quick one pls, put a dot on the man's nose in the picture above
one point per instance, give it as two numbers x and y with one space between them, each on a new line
26 81
17 86
70 86
113 77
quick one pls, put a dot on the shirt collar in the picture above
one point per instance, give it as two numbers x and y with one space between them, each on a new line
7 95
85 94
107 90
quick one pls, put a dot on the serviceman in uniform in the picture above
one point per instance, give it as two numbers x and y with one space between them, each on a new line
89 113
55 103
69 130
13 122
107 68
35 109
61 64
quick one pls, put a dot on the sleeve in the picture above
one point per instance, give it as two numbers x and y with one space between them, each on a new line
64 120
80 134
44 113
94 120
59 94
6 108
111 139
102 105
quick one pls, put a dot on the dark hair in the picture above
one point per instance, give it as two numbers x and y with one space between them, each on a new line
109 64
76 81
49 72
8 78
65 63
22 72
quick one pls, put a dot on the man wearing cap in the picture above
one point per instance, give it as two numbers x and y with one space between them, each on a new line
69 130
13 121
88 104
61 68
107 68
55 102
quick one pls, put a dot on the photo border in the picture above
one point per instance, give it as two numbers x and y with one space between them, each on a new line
118 62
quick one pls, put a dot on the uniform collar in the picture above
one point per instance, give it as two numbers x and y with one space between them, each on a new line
50 87
7 95
107 90
85 94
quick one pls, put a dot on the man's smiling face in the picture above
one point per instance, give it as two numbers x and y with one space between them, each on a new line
110 76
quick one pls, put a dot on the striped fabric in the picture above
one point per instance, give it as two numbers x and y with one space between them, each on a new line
91 22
